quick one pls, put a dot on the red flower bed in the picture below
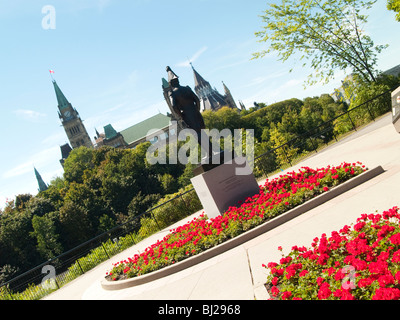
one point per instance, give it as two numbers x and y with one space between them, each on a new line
360 262
275 197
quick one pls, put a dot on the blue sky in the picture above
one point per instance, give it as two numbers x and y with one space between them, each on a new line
109 57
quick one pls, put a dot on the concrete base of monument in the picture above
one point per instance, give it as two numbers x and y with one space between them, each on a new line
225 185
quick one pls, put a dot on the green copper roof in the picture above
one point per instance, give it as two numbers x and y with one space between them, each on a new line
141 129
165 83
110 132
42 185
61 99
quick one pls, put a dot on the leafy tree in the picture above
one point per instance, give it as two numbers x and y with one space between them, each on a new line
394 5
187 174
44 231
211 120
169 183
79 160
17 247
39 206
7 272
106 223
21 201
327 33
285 154
224 118
265 117
140 204
76 227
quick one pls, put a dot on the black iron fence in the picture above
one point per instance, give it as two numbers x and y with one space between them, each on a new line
53 274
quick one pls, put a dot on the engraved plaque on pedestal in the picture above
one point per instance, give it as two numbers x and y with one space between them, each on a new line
224 186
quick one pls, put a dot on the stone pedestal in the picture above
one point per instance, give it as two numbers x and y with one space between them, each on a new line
224 186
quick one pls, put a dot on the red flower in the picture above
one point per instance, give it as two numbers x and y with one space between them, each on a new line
339 275
386 294
359 264
359 226
365 282
274 291
286 295
285 260
330 271
304 272
346 295
395 239
323 258
385 280
379 267
320 280
324 292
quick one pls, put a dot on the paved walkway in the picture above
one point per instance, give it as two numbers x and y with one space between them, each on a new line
237 274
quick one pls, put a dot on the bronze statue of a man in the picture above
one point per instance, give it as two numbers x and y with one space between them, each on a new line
186 106
185 103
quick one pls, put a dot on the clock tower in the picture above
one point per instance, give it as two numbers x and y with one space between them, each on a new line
71 121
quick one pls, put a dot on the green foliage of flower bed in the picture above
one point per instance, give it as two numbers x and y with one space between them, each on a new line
360 262
275 197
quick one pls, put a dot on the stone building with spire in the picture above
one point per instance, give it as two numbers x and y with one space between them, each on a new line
72 124
210 98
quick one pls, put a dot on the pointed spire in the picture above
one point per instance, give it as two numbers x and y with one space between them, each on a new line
61 99
199 81
225 88
42 185
210 98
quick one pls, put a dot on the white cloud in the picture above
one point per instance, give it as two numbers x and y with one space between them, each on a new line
29 115
193 58
56 138
262 80
40 159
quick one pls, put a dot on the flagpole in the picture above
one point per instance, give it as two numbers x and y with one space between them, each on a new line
51 74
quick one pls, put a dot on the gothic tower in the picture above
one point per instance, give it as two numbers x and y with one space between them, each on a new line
71 121
210 99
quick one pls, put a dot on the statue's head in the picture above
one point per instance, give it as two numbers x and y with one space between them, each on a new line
174 82
172 78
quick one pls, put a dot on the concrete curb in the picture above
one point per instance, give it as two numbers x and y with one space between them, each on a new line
246 236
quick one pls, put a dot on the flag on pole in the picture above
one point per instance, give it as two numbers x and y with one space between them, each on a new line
51 71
